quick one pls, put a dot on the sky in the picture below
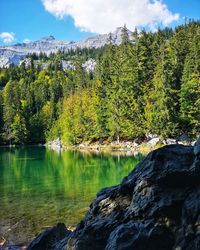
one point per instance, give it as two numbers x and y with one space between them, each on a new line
29 20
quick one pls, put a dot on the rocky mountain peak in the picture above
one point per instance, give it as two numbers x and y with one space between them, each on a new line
16 53
48 38
118 30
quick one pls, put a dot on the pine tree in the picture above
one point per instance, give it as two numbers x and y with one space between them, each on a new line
19 130
1 116
190 89
161 106
103 90
11 100
130 91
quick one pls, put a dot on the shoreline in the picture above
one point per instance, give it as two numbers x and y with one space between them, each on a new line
127 147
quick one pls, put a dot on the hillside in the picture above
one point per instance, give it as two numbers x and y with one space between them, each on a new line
112 93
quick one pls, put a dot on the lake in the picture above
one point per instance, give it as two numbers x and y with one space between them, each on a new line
40 187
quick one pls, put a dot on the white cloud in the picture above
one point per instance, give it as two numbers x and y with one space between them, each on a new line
26 40
7 37
103 16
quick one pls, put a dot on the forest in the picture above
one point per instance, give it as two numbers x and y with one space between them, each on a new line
150 83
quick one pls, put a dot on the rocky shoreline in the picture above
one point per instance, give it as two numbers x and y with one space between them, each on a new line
156 207
135 147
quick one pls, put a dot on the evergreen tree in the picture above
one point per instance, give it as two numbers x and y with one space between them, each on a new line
19 130
190 89
11 106
1 116
161 107
103 89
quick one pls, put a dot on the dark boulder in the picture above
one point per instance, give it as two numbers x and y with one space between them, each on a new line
50 238
156 207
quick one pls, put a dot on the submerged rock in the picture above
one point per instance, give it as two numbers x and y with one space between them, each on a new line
156 207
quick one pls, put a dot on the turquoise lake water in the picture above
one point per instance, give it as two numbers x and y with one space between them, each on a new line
40 187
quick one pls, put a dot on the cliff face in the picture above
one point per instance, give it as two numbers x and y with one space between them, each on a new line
16 53
157 206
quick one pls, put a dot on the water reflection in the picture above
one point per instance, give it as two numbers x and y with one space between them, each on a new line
39 187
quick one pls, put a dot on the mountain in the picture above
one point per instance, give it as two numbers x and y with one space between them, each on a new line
15 53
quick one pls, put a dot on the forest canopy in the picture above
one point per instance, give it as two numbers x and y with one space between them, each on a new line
149 84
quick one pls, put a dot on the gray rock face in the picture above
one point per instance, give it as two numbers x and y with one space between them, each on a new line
9 56
68 65
89 66
14 54
169 141
197 147
153 142
55 145
184 138
156 207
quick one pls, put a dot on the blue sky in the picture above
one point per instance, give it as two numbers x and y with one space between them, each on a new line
78 19
186 8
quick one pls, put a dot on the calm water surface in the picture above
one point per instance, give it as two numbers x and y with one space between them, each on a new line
40 187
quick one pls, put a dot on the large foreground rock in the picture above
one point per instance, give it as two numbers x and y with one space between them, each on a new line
156 207
49 238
